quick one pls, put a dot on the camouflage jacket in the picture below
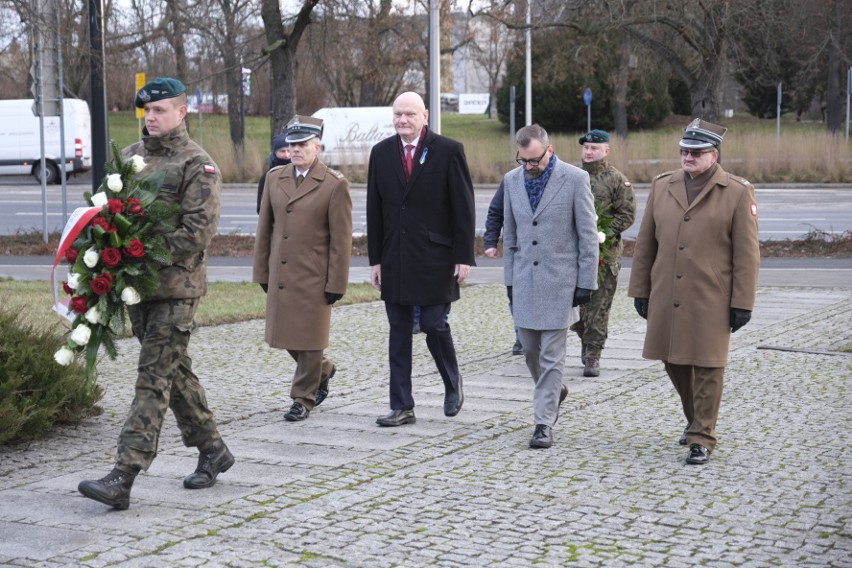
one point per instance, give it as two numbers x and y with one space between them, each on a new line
614 196
192 181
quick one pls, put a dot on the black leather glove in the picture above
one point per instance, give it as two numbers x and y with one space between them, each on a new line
509 292
264 287
331 297
582 296
641 305
739 318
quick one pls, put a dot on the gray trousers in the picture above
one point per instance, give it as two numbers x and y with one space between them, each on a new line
544 351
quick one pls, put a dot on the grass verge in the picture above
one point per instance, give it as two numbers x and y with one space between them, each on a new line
225 302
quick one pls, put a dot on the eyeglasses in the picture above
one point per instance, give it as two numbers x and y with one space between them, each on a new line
693 153
533 163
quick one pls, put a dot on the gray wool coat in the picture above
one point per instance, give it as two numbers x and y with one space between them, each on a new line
550 252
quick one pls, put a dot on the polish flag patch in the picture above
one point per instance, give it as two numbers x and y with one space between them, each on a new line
753 208
210 169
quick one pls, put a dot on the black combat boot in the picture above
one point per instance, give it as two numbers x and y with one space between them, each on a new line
113 490
212 461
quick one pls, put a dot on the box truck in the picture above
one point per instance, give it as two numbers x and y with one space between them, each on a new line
20 146
350 132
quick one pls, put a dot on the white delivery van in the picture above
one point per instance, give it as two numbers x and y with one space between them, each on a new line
350 132
20 146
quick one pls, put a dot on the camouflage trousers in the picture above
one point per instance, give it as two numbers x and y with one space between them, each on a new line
165 380
592 326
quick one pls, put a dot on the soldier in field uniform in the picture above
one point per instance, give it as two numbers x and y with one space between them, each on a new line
614 197
163 323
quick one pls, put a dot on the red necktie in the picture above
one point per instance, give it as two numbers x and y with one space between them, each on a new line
409 159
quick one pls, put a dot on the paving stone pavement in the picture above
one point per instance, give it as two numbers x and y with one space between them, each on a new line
336 490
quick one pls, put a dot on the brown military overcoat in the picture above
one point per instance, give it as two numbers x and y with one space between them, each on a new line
303 247
695 262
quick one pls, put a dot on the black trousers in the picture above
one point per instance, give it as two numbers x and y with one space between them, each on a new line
439 340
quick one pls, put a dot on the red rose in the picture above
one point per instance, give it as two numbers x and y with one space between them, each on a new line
135 249
71 255
115 206
79 304
110 257
67 289
134 206
102 284
101 222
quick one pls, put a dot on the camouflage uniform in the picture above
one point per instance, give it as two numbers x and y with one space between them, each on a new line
163 323
614 196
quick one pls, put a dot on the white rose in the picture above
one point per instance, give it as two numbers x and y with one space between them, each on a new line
114 182
130 296
138 163
601 237
73 280
81 334
64 356
91 258
99 199
93 315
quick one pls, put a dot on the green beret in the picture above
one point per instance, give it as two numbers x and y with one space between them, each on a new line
595 137
159 89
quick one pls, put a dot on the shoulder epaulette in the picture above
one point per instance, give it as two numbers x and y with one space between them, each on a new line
335 173
664 174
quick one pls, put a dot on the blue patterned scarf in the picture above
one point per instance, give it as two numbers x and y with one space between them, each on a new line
535 185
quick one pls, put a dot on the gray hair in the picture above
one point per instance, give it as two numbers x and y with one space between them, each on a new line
532 132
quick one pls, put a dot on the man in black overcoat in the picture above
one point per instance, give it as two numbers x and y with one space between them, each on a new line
420 236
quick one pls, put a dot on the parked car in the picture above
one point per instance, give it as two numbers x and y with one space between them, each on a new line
20 142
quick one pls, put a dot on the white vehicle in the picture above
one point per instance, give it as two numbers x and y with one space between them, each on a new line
20 146
350 132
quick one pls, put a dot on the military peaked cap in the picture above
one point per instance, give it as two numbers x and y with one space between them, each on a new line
702 134
302 128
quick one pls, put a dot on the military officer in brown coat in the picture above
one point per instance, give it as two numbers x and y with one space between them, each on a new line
694 276
302 251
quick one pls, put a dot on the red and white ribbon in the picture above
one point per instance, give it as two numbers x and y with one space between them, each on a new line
75 225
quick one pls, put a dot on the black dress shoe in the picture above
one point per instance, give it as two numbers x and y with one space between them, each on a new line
212 461
297 412
112 489
563 394
682 439
397 418
542 437
517 348
322 390
698 455
453 399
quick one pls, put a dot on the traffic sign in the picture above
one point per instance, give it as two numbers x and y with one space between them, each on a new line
587 96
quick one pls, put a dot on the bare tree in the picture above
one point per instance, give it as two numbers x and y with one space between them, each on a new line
281 48
226 25
491 47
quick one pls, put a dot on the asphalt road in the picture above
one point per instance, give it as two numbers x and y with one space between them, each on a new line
786 211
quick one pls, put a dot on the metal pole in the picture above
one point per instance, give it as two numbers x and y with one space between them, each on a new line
528 56
100 124
434 66
778 114
512 95
38 92
848 91
61 89
588 118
